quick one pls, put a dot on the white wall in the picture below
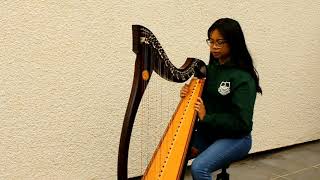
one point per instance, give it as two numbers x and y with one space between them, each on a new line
66 72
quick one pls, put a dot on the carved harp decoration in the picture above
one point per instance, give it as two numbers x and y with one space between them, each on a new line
151 57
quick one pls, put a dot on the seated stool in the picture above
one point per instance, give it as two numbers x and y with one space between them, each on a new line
223 175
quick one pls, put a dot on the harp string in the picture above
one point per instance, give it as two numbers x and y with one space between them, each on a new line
158 110
146 125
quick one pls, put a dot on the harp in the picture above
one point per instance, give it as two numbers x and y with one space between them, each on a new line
169 157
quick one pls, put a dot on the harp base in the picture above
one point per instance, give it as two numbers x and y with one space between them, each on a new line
224 175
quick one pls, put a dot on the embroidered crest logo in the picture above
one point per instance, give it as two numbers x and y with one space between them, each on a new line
224 88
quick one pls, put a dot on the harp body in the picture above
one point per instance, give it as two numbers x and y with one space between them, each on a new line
170 155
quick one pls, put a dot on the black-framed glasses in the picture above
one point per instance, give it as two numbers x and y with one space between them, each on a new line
219 43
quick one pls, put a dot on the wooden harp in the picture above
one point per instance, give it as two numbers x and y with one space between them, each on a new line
170 156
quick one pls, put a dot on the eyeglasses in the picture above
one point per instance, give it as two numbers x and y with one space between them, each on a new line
219 43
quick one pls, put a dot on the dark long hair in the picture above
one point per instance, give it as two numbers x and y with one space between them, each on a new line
239 54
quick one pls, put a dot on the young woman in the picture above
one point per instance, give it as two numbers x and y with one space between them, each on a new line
223 133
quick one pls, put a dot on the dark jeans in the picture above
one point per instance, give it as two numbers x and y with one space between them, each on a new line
216 154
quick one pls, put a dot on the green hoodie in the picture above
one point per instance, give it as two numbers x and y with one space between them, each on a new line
229 96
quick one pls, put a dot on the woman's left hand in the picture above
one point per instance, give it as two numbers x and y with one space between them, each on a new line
200 108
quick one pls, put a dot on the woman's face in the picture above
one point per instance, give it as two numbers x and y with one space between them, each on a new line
219 47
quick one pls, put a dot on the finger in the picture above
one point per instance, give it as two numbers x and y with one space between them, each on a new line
197 107
185 87
184 90
200 100
183 93
198 103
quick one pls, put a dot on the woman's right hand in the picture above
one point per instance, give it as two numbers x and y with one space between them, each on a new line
184 90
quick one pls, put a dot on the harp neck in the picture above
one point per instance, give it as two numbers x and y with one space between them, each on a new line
155 59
